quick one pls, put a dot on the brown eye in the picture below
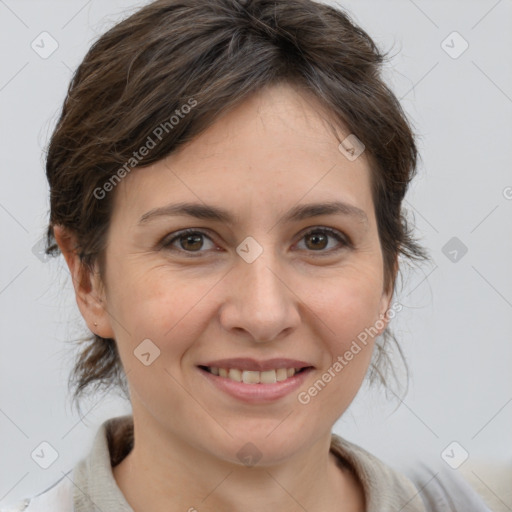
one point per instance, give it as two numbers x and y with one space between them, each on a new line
189 240
317 240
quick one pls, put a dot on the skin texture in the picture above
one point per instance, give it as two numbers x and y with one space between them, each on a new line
300 299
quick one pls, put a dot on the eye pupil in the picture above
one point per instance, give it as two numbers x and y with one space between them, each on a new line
316 237
195 238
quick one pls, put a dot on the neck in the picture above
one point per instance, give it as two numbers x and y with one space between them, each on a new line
174 476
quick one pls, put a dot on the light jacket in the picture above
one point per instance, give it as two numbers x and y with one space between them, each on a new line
91 486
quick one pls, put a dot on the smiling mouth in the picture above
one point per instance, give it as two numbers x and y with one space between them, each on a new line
254 377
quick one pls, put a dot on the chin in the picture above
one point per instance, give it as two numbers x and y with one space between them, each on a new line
267 443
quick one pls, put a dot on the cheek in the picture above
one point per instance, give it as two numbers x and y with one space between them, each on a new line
156 304
346 306
347 316
167 312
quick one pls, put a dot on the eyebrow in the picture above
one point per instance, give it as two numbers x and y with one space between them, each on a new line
215 213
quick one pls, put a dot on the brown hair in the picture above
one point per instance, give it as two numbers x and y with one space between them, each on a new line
142 72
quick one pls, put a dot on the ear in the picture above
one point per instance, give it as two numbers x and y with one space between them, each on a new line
89 290
385 302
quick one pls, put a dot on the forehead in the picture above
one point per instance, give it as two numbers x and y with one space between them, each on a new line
275 149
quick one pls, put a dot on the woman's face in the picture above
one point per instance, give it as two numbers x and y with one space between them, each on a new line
241 291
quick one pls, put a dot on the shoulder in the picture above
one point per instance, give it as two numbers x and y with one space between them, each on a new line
385 489
414 487
58 498
444 489
91 476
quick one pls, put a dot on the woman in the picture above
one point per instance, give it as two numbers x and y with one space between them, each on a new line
226 185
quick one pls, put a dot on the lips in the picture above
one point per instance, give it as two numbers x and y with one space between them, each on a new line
255 381
251 371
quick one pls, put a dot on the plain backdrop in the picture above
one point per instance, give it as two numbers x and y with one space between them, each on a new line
456 325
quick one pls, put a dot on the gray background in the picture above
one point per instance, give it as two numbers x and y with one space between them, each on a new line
456 323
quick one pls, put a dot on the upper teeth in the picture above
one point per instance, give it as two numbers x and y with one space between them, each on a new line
253 377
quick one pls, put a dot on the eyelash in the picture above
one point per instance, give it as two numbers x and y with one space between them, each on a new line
345 241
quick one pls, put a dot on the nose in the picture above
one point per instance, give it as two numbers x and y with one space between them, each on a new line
259 301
